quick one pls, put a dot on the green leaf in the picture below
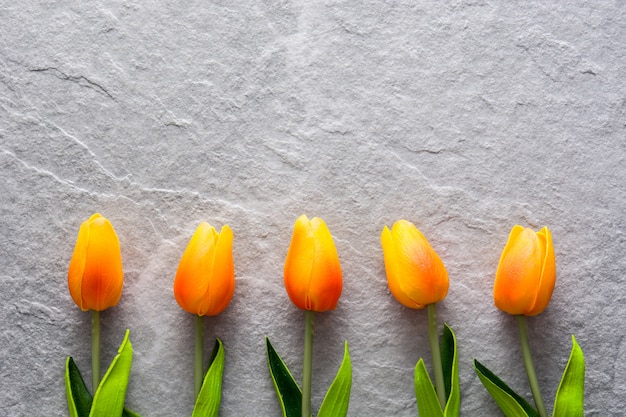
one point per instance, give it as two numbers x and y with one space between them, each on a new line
208 401
110 395
128 413
78 397
337 397
427 401
288 391
570 396
450 364
511 403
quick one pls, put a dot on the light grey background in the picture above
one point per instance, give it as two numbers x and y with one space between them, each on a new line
464 117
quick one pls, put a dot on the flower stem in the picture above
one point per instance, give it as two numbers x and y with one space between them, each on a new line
307 365
530 368
433 335
198 356
95 350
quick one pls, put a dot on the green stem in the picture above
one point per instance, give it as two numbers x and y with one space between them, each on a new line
95 350
433 335
307 365
530 368
198 356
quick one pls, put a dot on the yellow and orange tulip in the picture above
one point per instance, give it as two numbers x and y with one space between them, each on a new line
312 270
415 273
205 279
526 273
95 277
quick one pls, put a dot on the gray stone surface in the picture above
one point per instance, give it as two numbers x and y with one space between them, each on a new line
464 117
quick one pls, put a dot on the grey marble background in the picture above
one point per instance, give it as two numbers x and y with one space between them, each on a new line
464 117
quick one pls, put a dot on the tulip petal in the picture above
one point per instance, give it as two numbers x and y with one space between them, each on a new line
205 279
424 277
77 265
222 283
325 283
421 261
392 268
547 279
517 277
312 271
299 262
103 277
193 274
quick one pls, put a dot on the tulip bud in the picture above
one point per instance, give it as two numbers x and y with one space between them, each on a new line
415 273
205 279
312 270
526 273
95 277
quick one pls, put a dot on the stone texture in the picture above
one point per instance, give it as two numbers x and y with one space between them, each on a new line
465 118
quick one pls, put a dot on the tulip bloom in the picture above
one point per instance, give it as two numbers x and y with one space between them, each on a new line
312 270
415 273
527 272
95 277
205 279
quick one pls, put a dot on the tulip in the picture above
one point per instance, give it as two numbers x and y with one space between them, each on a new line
95 277
415 274
313 283
205 279
524 282
312 270
205 283
417 278
526 273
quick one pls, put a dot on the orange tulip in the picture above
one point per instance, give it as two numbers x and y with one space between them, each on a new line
95 277
415 273
527 272
205 279
312 270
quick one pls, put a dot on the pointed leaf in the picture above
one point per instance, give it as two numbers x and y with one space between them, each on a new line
511 403
78 397
450 363
81 400
288 391
210 396
337 398
128 413
570 396
427 401
111 393
447 348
